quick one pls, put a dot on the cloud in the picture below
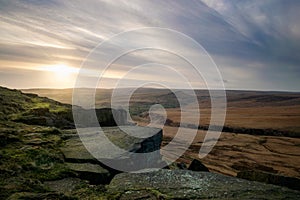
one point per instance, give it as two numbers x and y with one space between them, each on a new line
272 25
252 42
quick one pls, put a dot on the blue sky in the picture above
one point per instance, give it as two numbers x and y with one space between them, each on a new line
255 44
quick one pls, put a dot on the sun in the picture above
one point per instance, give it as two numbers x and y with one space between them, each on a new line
61 71
61 74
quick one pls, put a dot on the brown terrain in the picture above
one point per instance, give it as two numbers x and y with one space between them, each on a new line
254 136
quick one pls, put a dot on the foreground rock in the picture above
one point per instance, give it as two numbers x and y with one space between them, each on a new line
252 175
182 184
129 138
96 167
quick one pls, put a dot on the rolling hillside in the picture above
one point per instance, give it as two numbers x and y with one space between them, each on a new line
245 109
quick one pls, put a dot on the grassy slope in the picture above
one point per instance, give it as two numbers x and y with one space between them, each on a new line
30 154
32 109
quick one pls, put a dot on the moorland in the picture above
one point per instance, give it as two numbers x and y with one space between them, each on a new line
261 130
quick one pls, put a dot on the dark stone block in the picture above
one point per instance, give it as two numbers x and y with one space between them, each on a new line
196 165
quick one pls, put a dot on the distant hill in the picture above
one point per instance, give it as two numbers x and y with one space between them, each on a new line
245 109
235 98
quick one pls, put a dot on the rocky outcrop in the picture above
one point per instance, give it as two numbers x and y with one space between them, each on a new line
40 162
111 117
44 117
81 161
106 117
182 184
290 182
34 110
64 119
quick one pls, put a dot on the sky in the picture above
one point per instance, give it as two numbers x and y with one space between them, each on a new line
255 44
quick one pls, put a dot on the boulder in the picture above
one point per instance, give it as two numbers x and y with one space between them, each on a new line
184 184
134 141
196 165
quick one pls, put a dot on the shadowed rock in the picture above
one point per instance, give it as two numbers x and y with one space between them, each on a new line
196 165
290 182
95 174
105 117
129 138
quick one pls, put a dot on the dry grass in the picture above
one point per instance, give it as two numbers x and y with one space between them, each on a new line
281 117
237 152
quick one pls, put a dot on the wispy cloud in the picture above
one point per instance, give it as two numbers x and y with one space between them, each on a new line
255 43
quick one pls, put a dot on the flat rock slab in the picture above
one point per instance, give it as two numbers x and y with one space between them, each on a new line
94 173
111 143
75 151
183 184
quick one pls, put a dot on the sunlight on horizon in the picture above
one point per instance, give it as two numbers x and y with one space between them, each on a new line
62 74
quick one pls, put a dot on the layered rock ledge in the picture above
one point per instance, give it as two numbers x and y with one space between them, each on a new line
132 141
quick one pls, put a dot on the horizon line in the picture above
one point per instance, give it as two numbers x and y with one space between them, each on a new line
229 89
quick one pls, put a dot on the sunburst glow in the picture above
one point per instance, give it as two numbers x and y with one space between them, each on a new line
61 69
60 75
